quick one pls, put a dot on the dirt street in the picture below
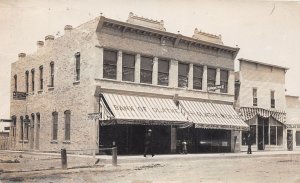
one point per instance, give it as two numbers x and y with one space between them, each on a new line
218 168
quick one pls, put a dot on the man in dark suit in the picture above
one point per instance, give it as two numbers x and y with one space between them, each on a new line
148 143
249 142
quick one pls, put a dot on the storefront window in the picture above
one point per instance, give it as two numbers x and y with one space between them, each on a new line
297 138
110 64
163 72
272 135
197 77
146 70
128 67
279 135
183 70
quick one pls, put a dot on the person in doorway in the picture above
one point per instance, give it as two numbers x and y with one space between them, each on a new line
249 142
148 143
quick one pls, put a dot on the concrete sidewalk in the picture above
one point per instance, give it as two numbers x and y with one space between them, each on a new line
159 157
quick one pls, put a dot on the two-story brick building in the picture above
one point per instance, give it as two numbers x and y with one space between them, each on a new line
106 82
260 99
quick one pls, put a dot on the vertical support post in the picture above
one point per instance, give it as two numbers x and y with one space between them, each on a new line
114 156
64 163
155 71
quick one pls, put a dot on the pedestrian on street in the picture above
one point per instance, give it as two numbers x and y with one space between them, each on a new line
184 147
249 142
148 143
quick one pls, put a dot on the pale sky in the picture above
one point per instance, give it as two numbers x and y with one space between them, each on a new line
265 31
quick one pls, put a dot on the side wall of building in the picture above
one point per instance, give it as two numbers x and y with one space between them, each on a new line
67 93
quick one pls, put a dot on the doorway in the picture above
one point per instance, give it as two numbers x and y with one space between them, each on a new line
290 140
262 132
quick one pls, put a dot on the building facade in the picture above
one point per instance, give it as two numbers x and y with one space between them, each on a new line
260 100
106 82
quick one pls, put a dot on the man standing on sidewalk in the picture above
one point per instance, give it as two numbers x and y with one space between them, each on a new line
148 143
249 142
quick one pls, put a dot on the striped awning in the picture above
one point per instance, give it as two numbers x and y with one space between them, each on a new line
249 112
213 115
129 109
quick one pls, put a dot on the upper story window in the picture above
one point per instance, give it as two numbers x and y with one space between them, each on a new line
254 96
16 83
197 77
110 64
54 125
128 64
26 81
272 99
146 69
183 72
41 78
51 74
32 80
163 72
211 76
224 80
67 124
77 66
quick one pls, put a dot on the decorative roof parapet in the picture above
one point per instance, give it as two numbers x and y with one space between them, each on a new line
150 23
217 39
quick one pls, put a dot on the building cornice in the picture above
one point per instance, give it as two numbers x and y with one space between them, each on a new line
162 35
261 63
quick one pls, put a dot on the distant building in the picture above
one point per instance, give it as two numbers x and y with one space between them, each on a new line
260 99
107 82
293 122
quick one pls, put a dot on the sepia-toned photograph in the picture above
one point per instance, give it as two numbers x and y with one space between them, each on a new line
157 91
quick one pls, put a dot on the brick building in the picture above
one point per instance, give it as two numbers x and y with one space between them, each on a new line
106 82
260 99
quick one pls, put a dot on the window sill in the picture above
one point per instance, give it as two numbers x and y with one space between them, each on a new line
76 82
50 88
66 142
54 142
25 141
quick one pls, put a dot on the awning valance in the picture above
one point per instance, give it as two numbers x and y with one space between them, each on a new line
249 112
129 109
212 115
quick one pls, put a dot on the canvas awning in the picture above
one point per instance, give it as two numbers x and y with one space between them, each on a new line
130 109
213 115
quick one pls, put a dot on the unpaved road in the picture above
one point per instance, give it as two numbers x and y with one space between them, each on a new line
46 168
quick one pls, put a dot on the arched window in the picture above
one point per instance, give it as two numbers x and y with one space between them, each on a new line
26 81
77 66
16 82
51 74
54 125
27 124
67 124
13 125
32 120
41 78
38 120
21 127
32 80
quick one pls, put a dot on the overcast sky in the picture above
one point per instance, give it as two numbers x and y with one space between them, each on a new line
265 31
